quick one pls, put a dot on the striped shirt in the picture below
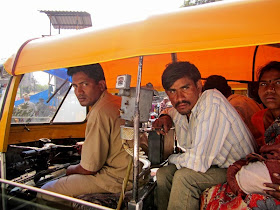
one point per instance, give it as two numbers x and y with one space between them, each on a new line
214 134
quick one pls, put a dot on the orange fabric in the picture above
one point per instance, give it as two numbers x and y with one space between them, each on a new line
261 121
246 107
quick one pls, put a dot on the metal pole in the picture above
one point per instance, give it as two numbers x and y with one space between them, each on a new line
39 190
50 26
174 57
136 132
3 176
3 165
254 63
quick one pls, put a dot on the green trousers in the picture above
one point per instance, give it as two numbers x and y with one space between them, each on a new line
181 189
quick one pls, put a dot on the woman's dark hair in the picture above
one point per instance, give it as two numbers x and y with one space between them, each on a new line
178 70
218 82
271 65
93 71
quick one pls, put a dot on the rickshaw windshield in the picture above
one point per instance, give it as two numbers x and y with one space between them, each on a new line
39 99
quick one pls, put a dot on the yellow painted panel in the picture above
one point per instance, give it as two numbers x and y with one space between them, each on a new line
5 122
19 134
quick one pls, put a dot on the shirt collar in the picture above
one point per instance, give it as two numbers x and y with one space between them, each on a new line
105 92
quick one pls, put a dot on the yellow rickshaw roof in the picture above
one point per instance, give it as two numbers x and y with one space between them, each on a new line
200 34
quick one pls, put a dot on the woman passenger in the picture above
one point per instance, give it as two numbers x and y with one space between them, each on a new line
255 181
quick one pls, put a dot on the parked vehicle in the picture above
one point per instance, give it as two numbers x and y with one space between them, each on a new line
230 38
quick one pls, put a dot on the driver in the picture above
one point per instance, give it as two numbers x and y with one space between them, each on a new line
103 160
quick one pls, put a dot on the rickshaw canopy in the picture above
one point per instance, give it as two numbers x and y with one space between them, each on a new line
219 38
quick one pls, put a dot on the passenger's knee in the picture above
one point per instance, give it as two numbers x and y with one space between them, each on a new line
186 172
185 175
165 172
161 174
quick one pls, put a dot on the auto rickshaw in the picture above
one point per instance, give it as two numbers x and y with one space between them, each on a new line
228 38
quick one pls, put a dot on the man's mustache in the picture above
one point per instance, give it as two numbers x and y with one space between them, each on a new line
182 102
81 96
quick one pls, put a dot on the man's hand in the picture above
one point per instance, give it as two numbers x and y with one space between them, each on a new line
79 146
78 169
275 191
163 124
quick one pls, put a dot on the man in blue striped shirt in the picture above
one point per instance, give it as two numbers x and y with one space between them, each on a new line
209 131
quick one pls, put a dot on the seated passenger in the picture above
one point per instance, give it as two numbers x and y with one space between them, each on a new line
210 132
269 154
244 105
258 174
104 161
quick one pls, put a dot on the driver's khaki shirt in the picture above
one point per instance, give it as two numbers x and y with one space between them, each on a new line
102 150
